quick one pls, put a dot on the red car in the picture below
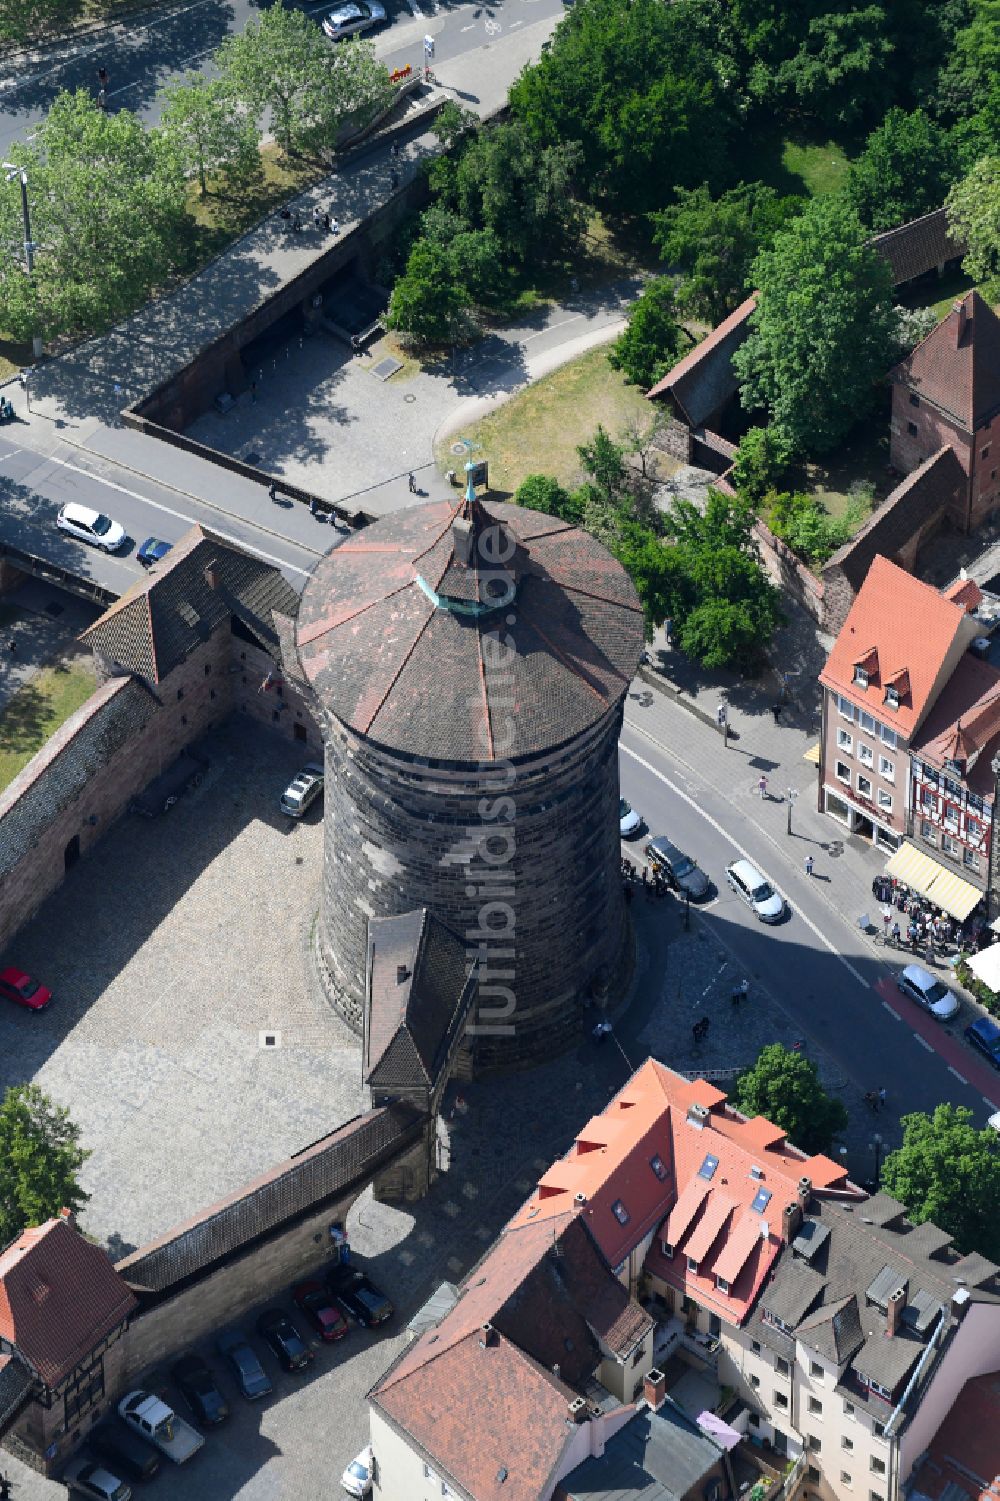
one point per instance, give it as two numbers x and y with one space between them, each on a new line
320 1309
20 988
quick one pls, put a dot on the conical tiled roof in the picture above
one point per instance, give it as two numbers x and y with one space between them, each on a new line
469 634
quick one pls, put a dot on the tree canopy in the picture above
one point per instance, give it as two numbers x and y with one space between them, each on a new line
40 1156
905 170
211 135
820 336
784 1086
107 209
974 216
653 339
949 1172
712 242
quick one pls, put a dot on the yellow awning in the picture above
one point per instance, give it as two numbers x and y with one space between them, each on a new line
914 868
812 754
934 881
956 896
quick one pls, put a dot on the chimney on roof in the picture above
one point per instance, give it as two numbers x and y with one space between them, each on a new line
212 576
577 1410
697 1115
402 973
791 1219
462 539
961 320
805 1191
68 1218
894 1308
487 1336
960 1302
654 1389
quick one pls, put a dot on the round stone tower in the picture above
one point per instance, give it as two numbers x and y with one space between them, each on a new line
470 666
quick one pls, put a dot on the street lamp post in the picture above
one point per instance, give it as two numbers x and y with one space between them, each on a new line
13 171
792 795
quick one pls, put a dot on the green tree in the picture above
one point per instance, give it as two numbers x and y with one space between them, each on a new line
723 606
808 528
949 1172
905 170
453 122
40 1156
761 459
427 302
973 61
974 216
281 62
784 1087
604 461
841 73
107 212
637 86
211 136
652 339
646 559
520 191
540 492
820 336
22 19
713 242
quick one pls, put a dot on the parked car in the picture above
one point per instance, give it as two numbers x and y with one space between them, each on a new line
629 821
127 1452
151 1418
199 1390
20 988
151 551
280 1335
90 1479
357 1478
750 886
678 868
302 791
320 1309
251 1377
356 15
928 992
358 1296
90 526
984 1034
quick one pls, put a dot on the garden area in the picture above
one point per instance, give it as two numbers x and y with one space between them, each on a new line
38 709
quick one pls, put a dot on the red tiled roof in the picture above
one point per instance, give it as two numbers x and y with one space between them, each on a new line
59 1297
912 627
681 1217
957 366
736 1252
716 1214
970 1435
965 722
965 592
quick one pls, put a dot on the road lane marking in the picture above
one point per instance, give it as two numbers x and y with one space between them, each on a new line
550 326
894 1014
692 803
958 1076
987 1101
923 1042
179 515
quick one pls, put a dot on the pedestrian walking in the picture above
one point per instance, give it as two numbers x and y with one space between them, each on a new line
871 1100
645 875
881 1096
297 222
412 482
740 992
762 786
317 216
809 865
668 629
776 711
393 179
895 934
334 225
394 150
326 222
886 920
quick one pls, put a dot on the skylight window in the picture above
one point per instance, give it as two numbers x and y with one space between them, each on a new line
761 1200
620 1213
659 1167
707 1169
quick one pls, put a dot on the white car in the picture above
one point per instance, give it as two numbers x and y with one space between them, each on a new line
302 791
90 526
760 896
629 821
357 1478
928 992
356 15
86 1478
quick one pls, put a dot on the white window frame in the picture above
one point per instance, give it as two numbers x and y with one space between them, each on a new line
845 742
867 722
888 736
928 831
861 778
892 698
846 707
866 755
886 769
970 859
884 800
842 772
861 676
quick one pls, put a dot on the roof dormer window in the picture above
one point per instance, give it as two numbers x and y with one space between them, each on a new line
722 1284
892 698
620 1213
659 1167
692 1264
861 676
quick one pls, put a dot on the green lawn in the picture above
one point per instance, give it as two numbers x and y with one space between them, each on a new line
820 168
537 432
861 458
938 292
38 709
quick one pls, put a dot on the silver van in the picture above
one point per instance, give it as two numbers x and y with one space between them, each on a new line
760 896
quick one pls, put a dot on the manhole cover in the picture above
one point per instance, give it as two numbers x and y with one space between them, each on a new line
458 449
409 396
251 458
387 367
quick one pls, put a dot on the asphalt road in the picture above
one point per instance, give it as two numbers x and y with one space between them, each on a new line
816 966
145 54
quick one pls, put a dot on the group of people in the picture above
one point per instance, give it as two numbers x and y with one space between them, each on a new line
653 882
875 1099
924 930
321 220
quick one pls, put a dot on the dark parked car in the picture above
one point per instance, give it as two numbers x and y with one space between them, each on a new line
985 1035
358 1296
320 1308
151 551
679 869
199 1390
125 1450
251 1377
280 1335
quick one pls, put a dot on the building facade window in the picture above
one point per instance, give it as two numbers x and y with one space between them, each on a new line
864 786
861 677
888 736
849 1409
781 1366
845 1478
928 831
755 1346
847 1443
950 846
970 860
843 772
845 742
914 400
877 1465
846 707
884 801
754 1382
886 768
911 428
814 1443
815 1405
865 754
780 1400
867 722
